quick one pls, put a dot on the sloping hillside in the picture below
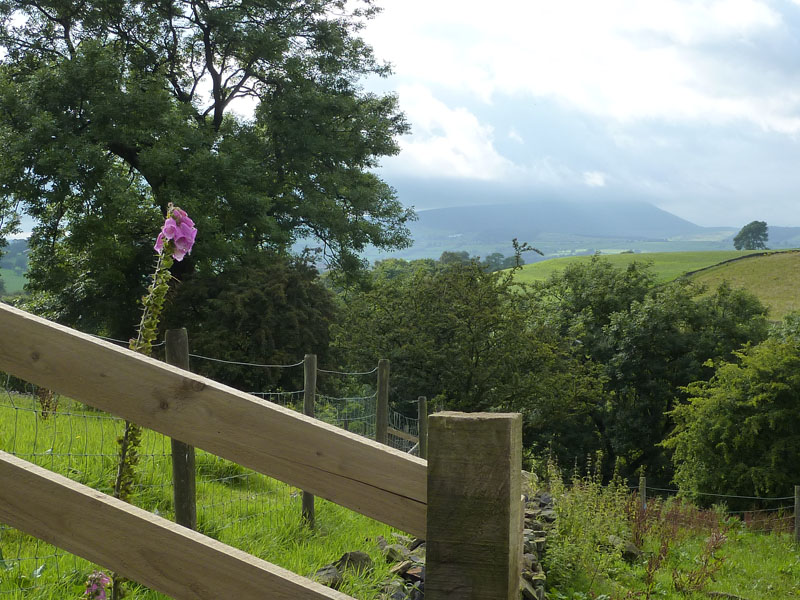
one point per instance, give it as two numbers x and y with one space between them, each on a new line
774 278
666 265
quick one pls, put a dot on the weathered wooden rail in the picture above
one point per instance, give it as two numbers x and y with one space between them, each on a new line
357 473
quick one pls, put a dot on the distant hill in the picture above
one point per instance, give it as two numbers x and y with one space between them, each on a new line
783 237
560 227
14 265
609 218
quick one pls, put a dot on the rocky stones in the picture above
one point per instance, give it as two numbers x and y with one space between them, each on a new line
332 574
328 575
630 552
408 556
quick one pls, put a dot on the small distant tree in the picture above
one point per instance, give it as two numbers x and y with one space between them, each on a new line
455 258
753 236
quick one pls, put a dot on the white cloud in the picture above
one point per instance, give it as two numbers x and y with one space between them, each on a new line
594 178
624 59
446 142
513 134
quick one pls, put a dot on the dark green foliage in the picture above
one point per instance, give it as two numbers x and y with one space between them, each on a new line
111 110
468 340
752 236
262 308
594 358
646 342
740 432
657 346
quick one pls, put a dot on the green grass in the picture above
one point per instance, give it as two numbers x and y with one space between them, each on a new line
773 278
236 506
666 266
13 283
674 537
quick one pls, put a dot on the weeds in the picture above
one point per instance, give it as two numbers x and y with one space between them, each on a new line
686 552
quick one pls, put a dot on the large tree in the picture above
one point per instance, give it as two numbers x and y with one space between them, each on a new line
752 236
111 109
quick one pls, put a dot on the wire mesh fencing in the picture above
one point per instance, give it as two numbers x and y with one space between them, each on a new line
765 514
403 432
80 442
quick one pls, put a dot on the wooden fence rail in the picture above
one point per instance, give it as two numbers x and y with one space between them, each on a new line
160 554
358 473
475 480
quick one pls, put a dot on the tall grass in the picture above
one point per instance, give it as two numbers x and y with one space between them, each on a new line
235 505
686 553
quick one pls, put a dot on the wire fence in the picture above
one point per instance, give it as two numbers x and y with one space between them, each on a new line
766 514
80 442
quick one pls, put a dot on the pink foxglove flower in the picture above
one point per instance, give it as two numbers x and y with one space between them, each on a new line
178 229
96 586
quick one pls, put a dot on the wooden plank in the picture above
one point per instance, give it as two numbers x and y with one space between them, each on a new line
148 549
474 489
402 434
370 478
184 493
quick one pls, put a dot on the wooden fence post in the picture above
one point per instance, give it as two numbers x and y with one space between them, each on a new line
309 396
183 471
422 428
643 491
797 514
474 488
382 409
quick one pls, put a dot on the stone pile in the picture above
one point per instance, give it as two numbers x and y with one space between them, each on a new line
539 517
407 556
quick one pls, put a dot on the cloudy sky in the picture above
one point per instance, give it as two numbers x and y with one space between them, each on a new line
692 105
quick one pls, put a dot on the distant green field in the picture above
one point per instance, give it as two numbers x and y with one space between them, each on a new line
774 279
666 265
13 282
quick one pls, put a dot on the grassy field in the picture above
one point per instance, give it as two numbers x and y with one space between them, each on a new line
13 282
241 508
666 265
774 279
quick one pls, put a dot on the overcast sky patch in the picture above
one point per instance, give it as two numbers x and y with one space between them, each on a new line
687 104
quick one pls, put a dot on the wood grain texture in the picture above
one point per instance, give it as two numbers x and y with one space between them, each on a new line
403 435
370 478
474 522
155 552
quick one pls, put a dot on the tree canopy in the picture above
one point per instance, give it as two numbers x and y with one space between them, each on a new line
111 110
752 236
739 432
595 358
